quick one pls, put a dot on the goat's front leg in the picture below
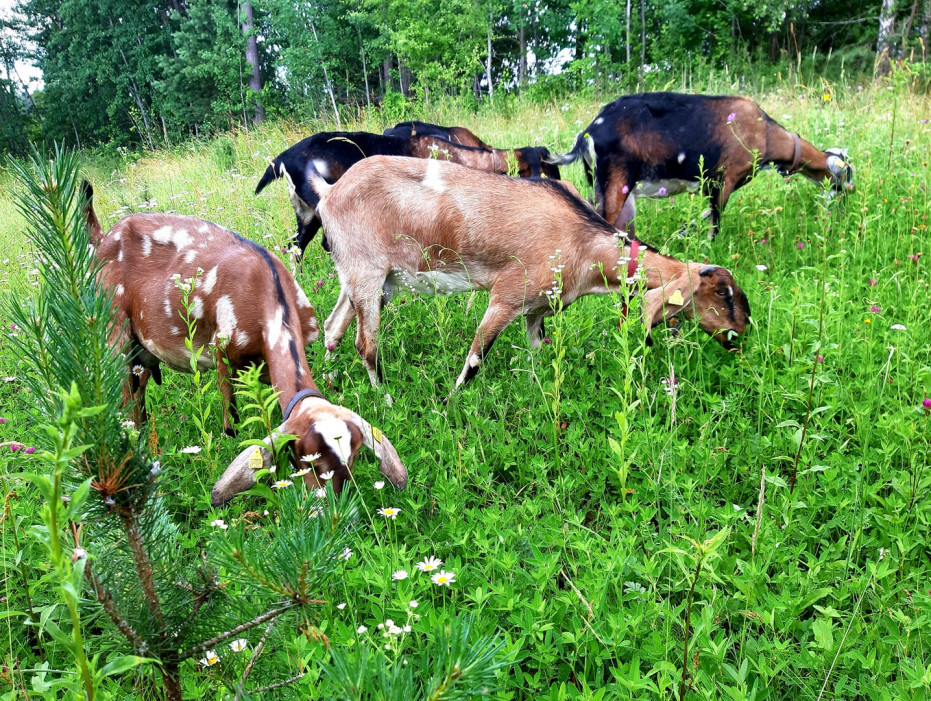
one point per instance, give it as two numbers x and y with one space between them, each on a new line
334 328
535 330
498 315
230 415
368 318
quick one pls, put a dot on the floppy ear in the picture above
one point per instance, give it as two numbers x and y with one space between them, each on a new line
663 302
389 464
240 475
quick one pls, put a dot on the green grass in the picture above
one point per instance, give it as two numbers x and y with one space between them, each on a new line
588 579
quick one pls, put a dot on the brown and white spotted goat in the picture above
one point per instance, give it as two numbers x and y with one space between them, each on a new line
436 228
661 144
248 309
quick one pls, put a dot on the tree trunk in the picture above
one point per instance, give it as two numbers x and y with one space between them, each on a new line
884 41
326 79
643 35
386 69
627 41
405 76
491 92
925 29
522 61
365 72
252 58
908 24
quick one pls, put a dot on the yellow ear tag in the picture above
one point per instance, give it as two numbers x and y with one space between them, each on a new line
377 434
255 460
676 298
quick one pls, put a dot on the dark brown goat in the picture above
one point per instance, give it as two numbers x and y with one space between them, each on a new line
248 309
332 153
661 144
458 135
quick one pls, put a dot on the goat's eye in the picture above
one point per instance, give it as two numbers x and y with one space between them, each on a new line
722 293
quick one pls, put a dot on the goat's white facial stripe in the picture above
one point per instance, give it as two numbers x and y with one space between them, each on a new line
209 280
433 179
335 433
730 291
226 316
146 246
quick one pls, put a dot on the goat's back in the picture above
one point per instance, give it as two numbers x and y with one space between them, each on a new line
402 212
238 285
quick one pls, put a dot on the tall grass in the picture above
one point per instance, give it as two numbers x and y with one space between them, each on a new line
825 589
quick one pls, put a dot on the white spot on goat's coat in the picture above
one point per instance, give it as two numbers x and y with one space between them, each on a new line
198 310
146 246
226 316
681 156
433 179
302 301
190 256
209 280
179 237
119 290
600 120
335 433
321 167
474 360
276 328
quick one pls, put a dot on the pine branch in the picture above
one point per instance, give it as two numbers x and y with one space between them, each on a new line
278 685
106 601
256 652
214 641
143 566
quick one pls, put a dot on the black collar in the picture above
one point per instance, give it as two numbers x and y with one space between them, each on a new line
303 394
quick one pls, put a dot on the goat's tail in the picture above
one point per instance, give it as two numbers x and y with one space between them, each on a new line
310 188
584 148
271 173
93 223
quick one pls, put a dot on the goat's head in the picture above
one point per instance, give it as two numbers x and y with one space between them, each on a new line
328 439
708 294
840 169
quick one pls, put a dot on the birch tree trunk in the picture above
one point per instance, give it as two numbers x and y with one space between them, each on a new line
522 62
925 29
488 62
252 58
884 41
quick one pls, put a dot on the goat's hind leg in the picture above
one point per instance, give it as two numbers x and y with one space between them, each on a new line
535 330
334 328
368 318
498 315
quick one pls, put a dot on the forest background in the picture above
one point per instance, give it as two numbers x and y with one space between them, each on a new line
136 73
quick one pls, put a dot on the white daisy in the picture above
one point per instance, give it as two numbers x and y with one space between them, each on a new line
239 645
443 578
430 563
345 555
898 327
191 450
310 458
398 575
219 523
389 512
379 485
327 475
281 484
211 659
341 606
361 629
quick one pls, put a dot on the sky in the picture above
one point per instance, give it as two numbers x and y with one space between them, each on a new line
28 72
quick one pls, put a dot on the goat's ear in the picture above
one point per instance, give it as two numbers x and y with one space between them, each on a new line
389 463
664 302
240 475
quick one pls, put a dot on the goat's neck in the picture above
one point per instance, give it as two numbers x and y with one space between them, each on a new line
611 266
286 376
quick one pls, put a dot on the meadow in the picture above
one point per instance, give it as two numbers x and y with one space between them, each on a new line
599 502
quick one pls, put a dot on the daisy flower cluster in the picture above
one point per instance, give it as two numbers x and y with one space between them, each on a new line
211 657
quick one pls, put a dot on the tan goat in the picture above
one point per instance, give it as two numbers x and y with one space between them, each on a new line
248 309
435 227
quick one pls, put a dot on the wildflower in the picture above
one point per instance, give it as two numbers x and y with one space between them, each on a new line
406 628
239 645
310 458
898 327
379 484
547 340
320 493
10 378
327 475
827 97
625 190
867 321
191 450
762 268
281 484
301 473
764 241
30 450
14 327
78 554
819 358
661 192
413 604
138 370
211 659
129 423
320 283
2 420
669 385
398 575
345 555
731 117
331 346
389 512
913 257
341 606
875 308
16 446
219 523
872 282
443 578
924 121
859 88
361 629
801 245
430 563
